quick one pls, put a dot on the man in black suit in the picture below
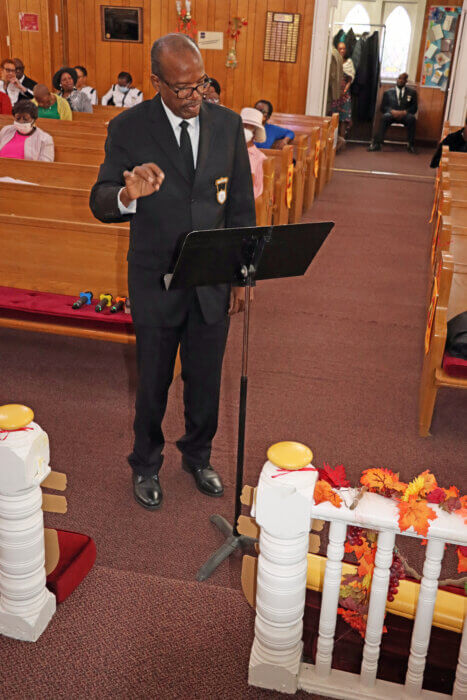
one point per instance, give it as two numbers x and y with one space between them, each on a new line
399 106
175 164
27 83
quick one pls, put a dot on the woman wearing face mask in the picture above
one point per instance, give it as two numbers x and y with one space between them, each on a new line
121 94
64 82
254 131
23 139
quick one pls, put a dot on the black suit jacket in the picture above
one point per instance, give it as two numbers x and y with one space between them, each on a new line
28 83
409 101
143 134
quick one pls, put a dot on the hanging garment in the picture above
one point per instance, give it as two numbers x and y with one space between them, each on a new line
350 42
336 74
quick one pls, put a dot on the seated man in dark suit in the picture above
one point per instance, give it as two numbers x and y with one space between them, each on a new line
399 106
457 141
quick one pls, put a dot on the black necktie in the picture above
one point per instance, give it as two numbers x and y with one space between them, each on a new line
186 150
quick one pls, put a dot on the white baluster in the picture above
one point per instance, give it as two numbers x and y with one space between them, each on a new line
460 686
26 606
375 622
424 617
284 515
330 597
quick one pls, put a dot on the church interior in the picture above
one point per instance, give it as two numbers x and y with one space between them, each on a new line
339 446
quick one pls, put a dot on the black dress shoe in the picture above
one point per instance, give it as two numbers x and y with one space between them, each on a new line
147 491
207 480
374 147
411 149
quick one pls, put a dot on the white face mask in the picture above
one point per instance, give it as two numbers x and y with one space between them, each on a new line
123 89
249 134
24 128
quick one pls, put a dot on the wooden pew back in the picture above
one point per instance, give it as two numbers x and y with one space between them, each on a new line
283 160
265 202
50 174
45 202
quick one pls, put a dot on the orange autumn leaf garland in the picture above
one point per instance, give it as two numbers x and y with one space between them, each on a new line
413 503
416 514
325 492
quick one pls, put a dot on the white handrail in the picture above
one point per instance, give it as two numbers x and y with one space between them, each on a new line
283 509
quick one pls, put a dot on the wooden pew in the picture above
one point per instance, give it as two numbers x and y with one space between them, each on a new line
64 257
448 233
61 127
80 156
433 374
265 202
44 202
300 147
283 161
301 126
329 128
50 174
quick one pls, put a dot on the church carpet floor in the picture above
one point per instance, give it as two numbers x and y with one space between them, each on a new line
335 361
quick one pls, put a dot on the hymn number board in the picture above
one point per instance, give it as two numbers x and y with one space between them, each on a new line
281 39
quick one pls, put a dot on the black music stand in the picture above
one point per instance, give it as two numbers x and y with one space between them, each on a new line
241 256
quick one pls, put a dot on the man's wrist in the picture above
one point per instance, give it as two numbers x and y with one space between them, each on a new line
125 198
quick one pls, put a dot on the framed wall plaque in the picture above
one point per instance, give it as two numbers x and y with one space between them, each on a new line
281 40
122 23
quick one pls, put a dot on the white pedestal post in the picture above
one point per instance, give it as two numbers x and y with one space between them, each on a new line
26 606
283 511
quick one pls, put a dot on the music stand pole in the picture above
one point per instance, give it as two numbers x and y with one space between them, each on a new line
234 539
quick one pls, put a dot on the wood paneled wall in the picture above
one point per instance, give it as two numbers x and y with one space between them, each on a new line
79 42
34 48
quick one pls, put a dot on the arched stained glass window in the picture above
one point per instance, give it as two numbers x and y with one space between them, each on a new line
396 43
357 18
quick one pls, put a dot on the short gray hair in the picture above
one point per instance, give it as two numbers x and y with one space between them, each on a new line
176 43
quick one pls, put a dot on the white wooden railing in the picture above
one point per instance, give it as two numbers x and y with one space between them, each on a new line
283 509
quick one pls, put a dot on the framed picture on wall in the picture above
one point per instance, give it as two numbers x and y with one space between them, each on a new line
122 23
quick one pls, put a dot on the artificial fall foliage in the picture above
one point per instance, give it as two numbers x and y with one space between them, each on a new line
413 503
325 492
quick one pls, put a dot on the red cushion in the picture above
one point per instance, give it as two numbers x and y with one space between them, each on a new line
77 557
455 366
26 300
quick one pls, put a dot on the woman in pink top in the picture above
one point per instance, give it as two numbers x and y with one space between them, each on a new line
24 140
254 131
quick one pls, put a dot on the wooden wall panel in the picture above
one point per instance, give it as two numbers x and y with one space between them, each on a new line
79 42
32 47
4 48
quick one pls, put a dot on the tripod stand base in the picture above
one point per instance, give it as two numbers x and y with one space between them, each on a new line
231 544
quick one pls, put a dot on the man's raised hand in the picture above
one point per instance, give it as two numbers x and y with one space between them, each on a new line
142 181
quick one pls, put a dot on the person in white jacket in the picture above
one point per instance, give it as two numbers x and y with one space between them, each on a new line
23 139
84 87
121 94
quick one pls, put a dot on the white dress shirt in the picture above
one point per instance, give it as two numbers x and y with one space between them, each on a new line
193 132
400 93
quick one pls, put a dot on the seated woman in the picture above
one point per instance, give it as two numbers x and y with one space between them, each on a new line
276 136
121 94
23 139
64 81
82 85
254 131
51 106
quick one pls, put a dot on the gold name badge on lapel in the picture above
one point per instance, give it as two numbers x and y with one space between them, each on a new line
221 189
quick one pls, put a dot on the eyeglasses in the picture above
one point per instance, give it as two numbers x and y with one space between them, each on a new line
186 93
10 70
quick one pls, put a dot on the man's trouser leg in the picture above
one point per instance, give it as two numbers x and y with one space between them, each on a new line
156 352
202 349
410 121
386 121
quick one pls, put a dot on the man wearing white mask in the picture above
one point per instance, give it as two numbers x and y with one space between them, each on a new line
254 131
121 94
23 139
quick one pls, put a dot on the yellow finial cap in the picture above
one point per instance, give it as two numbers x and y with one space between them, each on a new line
14 416
290 455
